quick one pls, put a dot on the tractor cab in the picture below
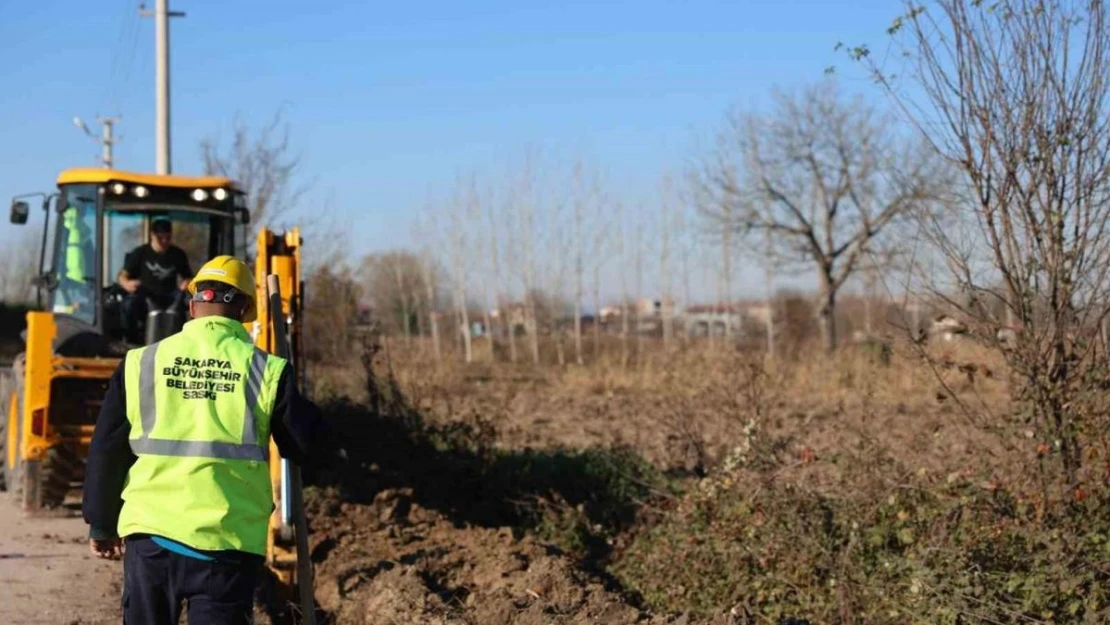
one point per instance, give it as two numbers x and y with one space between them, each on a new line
96 220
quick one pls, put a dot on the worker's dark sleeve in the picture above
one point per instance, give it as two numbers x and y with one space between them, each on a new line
110 458
132 264
183 268
296 424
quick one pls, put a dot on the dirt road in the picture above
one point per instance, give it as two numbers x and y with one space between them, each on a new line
47 576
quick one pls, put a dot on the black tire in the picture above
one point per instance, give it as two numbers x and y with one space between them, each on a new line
56 475
46 482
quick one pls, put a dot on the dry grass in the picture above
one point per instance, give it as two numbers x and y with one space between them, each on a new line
685 407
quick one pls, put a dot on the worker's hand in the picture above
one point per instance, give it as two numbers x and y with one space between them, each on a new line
108 548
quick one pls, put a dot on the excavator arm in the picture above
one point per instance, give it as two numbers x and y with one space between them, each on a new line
280 254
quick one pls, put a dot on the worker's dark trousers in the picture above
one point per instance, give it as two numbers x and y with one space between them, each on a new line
157 582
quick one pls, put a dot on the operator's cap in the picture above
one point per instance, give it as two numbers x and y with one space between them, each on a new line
161 225
235 274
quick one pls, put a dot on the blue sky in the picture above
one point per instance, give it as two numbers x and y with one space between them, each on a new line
387 100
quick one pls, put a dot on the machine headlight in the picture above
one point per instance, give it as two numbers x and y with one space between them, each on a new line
220 194
118 188
140 191
200 195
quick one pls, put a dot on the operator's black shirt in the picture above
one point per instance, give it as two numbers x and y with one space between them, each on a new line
158 272
296 424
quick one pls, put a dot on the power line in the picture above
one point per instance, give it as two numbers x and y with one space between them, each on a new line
112 85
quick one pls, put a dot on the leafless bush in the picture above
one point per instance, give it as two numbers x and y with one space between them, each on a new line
19 263
1015 94
331 306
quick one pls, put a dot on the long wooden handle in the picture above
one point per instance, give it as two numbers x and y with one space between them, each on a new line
296 489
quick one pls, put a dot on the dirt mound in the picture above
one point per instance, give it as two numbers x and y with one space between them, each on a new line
393 561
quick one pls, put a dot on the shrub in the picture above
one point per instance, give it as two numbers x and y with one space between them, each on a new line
860 539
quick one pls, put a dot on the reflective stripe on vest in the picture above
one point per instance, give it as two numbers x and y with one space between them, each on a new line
249 449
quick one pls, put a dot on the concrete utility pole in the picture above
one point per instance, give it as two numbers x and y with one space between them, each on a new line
161 15
106 139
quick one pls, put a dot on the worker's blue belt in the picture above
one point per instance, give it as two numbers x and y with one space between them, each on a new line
178 548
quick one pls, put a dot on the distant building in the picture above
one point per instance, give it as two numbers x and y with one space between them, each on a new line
946 327
715 320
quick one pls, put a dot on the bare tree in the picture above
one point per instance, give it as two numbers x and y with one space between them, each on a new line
665 235
394 284
595 287
406 299
728 252
1015 94
493 282
600 250
826 177
769 277
589 237
462 209
686 245
559 250
331 305
262 162
527 240
432 274
580 199
638 256
431 288
622 259
19 265
519 251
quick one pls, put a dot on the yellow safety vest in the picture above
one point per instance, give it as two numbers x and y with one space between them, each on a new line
199 403
75 253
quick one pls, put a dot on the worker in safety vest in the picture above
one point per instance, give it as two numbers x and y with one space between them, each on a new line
78 247
75 274
177 480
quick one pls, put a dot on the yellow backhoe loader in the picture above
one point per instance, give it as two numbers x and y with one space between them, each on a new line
77 334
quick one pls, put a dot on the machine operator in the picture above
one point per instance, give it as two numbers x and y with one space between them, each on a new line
154 274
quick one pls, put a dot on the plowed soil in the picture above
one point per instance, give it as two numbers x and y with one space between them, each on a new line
393 561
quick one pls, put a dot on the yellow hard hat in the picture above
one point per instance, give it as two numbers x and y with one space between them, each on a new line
233 272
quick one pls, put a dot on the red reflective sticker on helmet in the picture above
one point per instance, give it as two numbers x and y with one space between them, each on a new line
208 295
